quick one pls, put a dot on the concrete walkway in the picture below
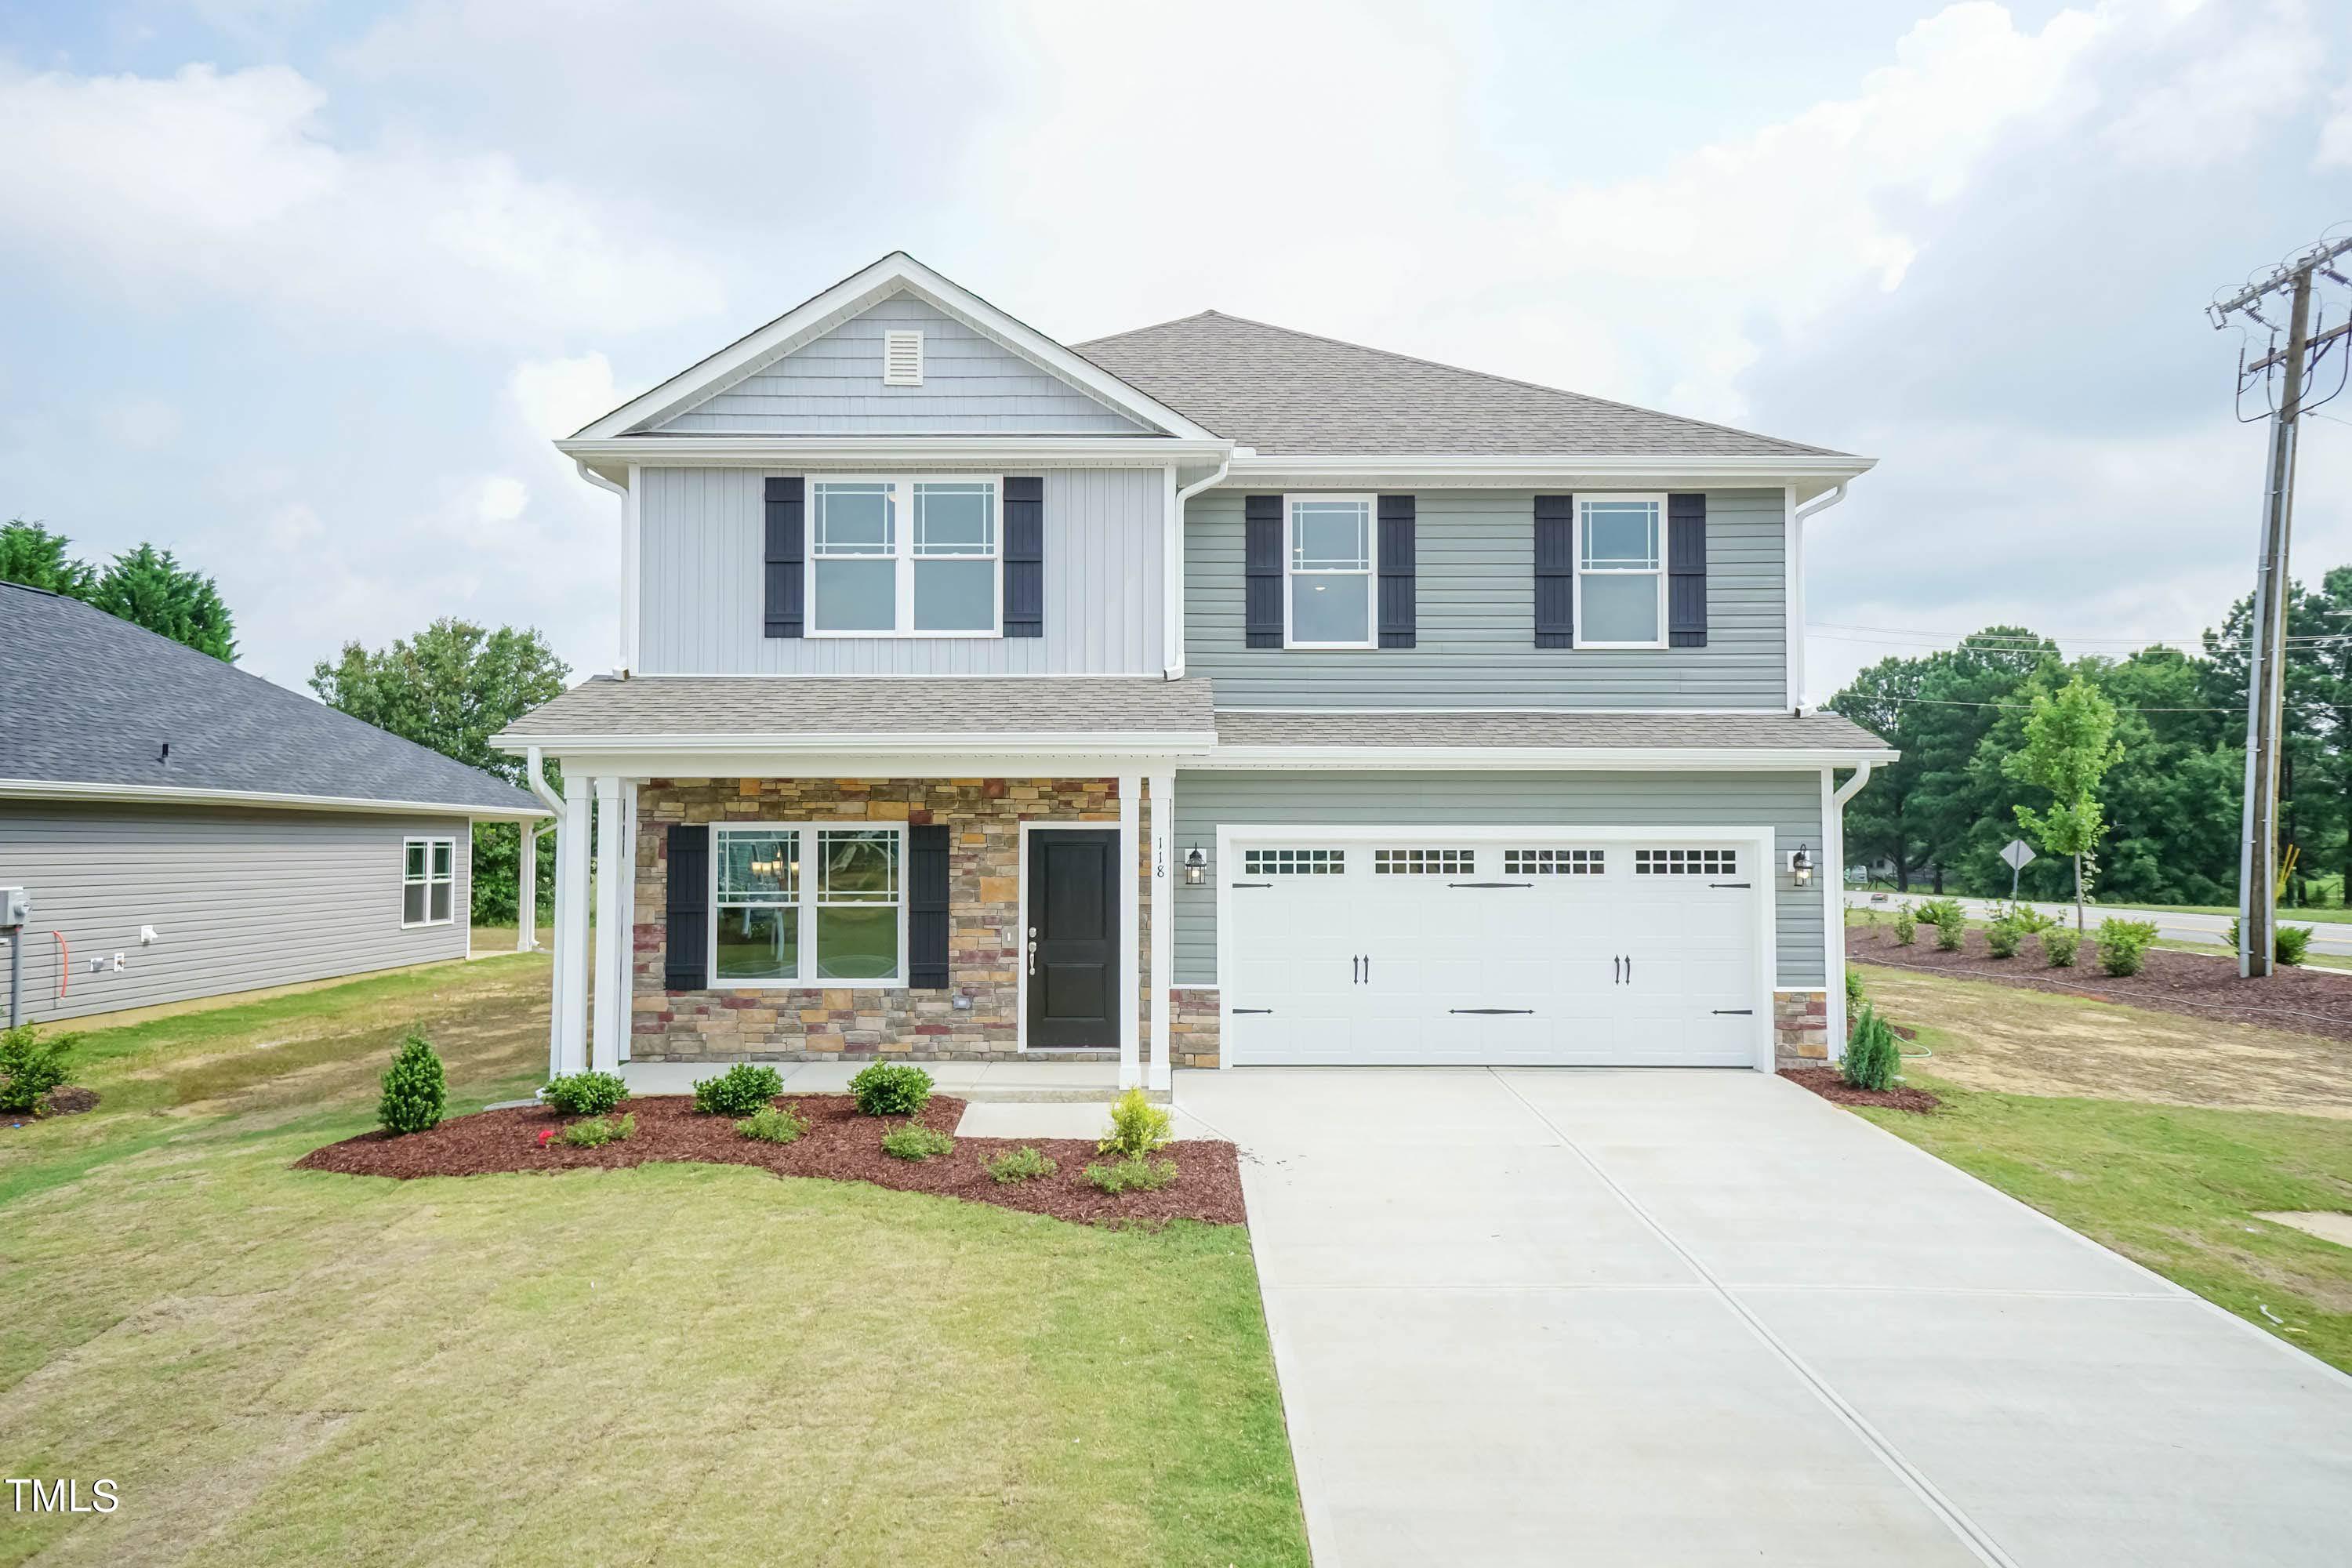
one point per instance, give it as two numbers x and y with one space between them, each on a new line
1665 1318
2331 937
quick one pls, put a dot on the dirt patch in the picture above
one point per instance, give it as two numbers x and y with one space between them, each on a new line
1825 1082
840 1146
71 1099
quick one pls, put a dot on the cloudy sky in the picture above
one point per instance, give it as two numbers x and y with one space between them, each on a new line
301 290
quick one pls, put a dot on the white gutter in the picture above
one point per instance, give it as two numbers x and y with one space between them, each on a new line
1614 759
978 448
1173 564
534 775
1821 503
1853 786
55 789
810 742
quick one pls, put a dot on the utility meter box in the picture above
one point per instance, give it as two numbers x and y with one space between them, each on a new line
16 908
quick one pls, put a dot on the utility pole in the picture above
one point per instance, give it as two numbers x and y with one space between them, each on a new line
2266 653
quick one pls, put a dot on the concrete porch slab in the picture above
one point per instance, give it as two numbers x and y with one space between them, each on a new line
1089 1084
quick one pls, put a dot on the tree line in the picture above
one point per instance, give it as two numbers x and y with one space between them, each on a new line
2172 793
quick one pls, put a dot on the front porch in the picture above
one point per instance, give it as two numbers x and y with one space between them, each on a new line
1027 1083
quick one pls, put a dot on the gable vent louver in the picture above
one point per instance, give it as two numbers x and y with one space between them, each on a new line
902 359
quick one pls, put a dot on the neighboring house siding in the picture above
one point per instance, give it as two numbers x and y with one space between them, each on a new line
833 385
1476 642
1789 803
701 532
238 898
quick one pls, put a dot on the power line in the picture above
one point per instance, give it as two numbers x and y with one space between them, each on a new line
2019 707
2027 641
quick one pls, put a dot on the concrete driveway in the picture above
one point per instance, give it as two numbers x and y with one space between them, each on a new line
1656 1318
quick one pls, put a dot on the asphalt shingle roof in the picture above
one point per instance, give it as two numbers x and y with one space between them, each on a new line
881 706
87 698
1284 392
1459 727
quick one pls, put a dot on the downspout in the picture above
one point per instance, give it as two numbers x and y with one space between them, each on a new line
1173 568
1833 915
627 664
1823 503
1851 787
534 775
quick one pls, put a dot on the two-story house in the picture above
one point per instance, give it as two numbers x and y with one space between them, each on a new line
1212 695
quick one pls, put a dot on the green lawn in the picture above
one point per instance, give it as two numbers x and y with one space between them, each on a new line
676 1364
2176 1187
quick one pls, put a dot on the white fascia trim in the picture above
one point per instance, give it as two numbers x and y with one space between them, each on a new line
818 742
165 795
1075 764
980 449
895 273
1544 759
1819 472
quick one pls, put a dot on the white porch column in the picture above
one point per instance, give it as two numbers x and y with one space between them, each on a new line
614 874
1164 934
572 930
1131 1067
526 887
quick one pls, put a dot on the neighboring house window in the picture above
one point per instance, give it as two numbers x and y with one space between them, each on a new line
797 904
428 882
1327 557
905 557
1621 579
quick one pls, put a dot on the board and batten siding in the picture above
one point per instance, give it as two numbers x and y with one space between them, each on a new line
701 533
832 385
240 899
1790 802
1475 644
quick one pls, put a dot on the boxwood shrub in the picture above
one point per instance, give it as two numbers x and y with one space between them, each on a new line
416 1090
739 1091
892 1089
583 1093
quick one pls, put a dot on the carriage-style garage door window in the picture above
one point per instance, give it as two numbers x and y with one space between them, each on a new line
428 881
904 557
800 904
1621 579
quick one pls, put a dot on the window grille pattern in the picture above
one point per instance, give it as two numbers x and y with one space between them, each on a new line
1294 862
1554 862
1686 862
1425 862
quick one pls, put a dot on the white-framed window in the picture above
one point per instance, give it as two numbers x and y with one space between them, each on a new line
807 904
1620 571
905 556
1330 555
1294 862
1686 862
428 881
1555 862
1425 862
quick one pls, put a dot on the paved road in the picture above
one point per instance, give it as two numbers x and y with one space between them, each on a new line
1685 1318
2333 937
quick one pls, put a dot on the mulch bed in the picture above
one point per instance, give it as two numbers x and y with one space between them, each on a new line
70 1100
840 1146
2306 1001
1825 1082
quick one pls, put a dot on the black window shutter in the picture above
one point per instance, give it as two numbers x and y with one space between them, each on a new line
1397 582
1262 571
686 964
1687 571
926 907
1555 571
787 553
1025 560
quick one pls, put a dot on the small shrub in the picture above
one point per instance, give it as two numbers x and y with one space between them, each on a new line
598 1130
771 1124
891 1089
739 1091
1854 994
2288 943
2004 938
583 1093
915 1141
2058 945
2123 945
1137 1126
1907 927
31 1066
1950 934
1022 1165
1136 1174
2024 916
415 1089
1942 912
1873 1057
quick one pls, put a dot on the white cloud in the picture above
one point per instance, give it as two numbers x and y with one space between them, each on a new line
558 396
140 422
227 183
2336 135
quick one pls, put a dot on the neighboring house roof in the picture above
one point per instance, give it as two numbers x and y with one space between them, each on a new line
1537 729
87 702
804 712
1290 393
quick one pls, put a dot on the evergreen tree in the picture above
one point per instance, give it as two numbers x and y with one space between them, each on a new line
31 554
149 587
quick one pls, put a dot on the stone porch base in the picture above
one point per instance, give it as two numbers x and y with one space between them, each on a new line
1801 1029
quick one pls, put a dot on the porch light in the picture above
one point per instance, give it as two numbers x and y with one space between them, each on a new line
1196 866
1800 866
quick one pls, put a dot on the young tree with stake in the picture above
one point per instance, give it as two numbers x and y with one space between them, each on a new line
2070 744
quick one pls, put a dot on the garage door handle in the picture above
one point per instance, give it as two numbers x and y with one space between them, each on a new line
1252 884
1731 884
1617 972
1490 1010
1241 1010
1735 1011
1490 884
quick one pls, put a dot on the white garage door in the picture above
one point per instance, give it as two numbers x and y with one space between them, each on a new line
1542 950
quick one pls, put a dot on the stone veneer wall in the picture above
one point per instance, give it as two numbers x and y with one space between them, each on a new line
1800 1027
1192 1026
829 1024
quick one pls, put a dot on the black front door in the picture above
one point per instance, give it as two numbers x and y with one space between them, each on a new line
1072 938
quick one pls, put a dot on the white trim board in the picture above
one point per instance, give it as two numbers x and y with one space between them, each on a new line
166 794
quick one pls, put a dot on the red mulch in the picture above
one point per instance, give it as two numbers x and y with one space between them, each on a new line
1825 1082
67 1099
2306 1001
840 1146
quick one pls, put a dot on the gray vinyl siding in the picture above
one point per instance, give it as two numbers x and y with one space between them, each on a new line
238 898
1475 581
1789 803
832 385
701 533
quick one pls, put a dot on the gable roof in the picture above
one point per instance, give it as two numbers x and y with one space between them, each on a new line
1291 393
894 274
88 701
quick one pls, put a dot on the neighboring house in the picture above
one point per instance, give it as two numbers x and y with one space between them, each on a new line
186 829
1212 694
